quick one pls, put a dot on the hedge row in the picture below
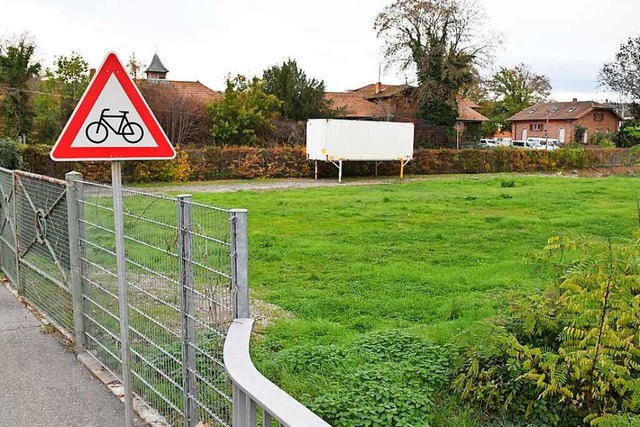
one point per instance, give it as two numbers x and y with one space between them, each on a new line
212 163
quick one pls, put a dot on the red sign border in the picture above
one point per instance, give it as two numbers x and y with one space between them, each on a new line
62 150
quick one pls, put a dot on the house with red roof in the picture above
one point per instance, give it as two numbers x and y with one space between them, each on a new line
559 120
377 101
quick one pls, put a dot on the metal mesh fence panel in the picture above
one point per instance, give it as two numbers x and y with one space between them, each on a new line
7 227
159 356
208 294
43 246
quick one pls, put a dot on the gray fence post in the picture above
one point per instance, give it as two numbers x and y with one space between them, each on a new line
16 239
239 263
75 261
187 312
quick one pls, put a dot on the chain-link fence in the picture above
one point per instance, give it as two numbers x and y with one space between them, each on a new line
181 276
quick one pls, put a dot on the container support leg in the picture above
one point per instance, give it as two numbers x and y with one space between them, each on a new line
315 169
403 163
339 166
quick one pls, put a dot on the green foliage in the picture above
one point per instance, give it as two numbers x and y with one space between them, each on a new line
385 378
578 134
473 131
302 98
435 39
515 89
17 69
10 156
628 135
60 90
572 356
604 140
243 116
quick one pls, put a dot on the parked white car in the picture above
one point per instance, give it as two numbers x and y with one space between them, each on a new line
547 143
530 145
488 142
533 145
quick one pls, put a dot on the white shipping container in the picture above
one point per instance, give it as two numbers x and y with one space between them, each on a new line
356 140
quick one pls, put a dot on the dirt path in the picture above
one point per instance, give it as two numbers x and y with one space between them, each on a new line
293 183
271 184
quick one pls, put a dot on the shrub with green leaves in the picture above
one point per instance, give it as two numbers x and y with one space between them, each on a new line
10 156
571 357
386 378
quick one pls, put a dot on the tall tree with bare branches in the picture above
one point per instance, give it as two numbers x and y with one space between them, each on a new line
623 74
442 40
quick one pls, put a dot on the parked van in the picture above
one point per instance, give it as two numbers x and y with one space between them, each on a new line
547 143
503 142
488 142
530 145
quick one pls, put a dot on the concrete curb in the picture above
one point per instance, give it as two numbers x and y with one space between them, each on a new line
144 411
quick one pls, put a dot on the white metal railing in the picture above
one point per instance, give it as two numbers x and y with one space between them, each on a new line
252 390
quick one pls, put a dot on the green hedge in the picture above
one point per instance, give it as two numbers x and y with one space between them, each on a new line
212 163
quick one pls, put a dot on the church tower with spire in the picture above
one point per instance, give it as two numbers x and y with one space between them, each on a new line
156 71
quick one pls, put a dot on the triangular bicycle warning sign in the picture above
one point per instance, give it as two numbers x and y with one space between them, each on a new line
112 121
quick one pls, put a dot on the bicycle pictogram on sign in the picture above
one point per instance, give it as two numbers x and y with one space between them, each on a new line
98 131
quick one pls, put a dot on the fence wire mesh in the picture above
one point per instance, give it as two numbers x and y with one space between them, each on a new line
7 228
43 246
165 356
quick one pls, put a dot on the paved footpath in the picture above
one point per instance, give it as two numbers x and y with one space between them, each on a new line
42 383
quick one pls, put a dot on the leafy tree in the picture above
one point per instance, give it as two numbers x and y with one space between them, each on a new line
17 69
10 155
59 92
628 135
623 74
517 88
442 40
244 116
302 98
578 133
569 357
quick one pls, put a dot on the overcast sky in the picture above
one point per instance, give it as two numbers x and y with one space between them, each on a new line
332 40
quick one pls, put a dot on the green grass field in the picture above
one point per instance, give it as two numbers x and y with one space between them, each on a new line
430 257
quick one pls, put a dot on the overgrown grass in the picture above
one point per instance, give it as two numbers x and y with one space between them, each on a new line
431 257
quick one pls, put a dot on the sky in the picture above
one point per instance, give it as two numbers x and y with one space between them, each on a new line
331 40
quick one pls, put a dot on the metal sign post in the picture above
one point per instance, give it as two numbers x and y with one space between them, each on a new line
118 222
113 122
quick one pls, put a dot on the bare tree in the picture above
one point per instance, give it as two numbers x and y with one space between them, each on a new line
182 117
623 74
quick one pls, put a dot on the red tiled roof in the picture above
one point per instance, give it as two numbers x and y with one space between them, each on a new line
467 112
354 105
560 111
195 90
384 91
361 102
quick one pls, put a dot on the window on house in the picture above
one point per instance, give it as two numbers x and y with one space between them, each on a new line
571 109
598 116
535 127
553 110
533 110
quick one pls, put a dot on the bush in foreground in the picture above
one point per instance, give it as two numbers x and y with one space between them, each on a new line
570 357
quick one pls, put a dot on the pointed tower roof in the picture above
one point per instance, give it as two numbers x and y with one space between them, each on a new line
156 65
